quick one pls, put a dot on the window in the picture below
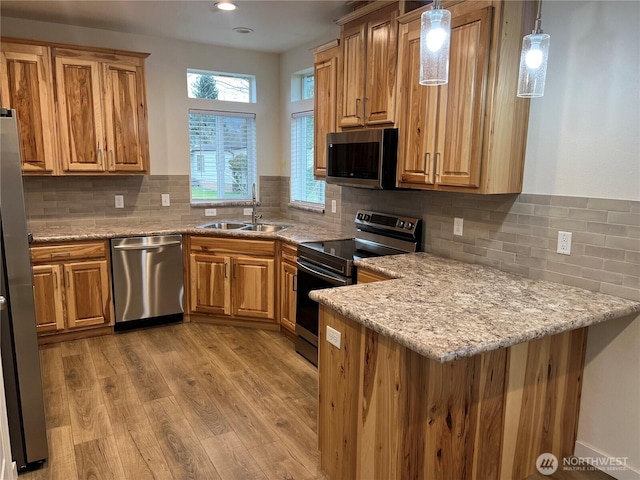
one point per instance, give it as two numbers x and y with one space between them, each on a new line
229 87
222 154
307 85
304 188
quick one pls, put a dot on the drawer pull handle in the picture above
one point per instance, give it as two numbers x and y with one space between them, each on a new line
225 271
426 162
295 283
55 279
60 254
68 280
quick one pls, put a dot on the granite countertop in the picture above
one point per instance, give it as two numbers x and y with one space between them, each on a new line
445 309
296 233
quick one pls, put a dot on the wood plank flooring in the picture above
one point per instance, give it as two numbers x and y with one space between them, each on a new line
185 401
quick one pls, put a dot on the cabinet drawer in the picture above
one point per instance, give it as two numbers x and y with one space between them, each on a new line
289 252
63 253
233 246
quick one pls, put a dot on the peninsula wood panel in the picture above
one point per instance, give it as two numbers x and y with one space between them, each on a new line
479 418
26 85
367 276
125 113
80 114
47 295
325 103
288 287
79 251
339 373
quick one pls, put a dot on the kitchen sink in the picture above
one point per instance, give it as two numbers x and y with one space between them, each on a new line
224 225
264 227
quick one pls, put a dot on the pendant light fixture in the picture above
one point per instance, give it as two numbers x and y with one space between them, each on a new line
533 60
435 37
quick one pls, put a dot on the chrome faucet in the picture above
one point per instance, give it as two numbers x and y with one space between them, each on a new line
254 214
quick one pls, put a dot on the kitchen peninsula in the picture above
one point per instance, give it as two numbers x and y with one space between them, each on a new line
451 370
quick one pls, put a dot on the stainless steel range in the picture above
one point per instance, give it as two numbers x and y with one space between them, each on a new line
330 264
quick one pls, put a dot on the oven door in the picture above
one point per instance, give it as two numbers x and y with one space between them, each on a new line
312 277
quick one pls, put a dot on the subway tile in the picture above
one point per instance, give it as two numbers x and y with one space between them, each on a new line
590 239
533 220
633 257
462 256
488 243
542 242
549 211
488 262
576 202
590 215
622 267
503 217
623 242
522 208
607 229
602 276
584 261
568 224
516 248
631 281
603 252
564 268
535 199
620 291
501 255
527 261
543 274
514 268
607 204
475 250
580 282
624 218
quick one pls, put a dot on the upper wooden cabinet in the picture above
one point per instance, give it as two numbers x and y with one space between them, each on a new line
367 68
26 85
102 112
470 134
101 106
325 101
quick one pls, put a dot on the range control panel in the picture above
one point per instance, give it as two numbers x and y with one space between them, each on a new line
385 221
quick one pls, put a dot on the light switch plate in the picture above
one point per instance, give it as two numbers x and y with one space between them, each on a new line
248 211
333 336
210 212
457 226
166 200
119 201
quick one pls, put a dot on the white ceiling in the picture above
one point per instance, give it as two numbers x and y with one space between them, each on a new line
278 25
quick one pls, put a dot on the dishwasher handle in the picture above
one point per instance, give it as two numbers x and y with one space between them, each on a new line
147 247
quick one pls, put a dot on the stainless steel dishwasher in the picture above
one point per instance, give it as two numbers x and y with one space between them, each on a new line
147 279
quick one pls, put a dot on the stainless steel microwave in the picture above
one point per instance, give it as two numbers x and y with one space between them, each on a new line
363 158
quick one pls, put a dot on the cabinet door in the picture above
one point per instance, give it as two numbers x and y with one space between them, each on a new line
352 68
125 118
80 112
210 284
381 65
254 287
47 290
418 105
288 287
324 107
88 294
27 87
462 101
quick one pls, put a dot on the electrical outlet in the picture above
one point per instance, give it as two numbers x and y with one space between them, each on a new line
248 211
564 243
210 212
166 200
334 206
119 201
457 226
333 336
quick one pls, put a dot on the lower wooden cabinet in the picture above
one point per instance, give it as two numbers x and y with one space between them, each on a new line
232 279
72 287
369 276
288 286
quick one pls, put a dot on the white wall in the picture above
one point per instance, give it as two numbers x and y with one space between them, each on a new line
166 70
584 134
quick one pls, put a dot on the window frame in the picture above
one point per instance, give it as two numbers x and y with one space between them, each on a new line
295 164
251 78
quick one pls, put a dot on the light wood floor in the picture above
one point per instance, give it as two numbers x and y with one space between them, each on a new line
182 401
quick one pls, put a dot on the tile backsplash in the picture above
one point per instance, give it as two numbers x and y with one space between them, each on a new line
516 233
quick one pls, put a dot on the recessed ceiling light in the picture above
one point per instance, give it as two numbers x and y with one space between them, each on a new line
227 6
243 30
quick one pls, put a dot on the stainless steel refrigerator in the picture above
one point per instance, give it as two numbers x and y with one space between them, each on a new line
18 340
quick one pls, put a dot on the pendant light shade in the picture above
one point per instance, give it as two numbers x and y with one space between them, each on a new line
533 62
435 38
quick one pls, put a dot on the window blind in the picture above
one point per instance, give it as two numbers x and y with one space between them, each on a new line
222 155
304 188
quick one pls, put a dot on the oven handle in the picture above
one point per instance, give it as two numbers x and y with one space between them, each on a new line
314 271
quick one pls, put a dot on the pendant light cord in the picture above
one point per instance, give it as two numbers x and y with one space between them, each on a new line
538 25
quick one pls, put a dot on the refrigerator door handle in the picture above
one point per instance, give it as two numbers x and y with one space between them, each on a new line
3 303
